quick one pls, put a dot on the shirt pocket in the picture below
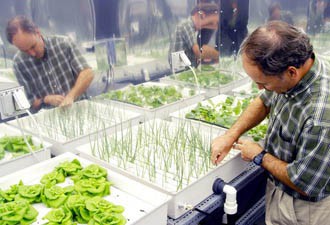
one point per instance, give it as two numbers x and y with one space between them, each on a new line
286 144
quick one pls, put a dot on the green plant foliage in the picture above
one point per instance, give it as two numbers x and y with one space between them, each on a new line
76 204
16 145
92 171
55 196
147 96
30 193
205 78
53 178
92 187
69 168
9 195
107 218
71 204
60 216
225 113
18 212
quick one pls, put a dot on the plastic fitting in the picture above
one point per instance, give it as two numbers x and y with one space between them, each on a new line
230 205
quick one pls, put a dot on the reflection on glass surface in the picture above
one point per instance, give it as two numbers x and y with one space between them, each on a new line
141 34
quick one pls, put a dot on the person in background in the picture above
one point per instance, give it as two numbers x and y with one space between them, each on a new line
233 23
279 58
276 13
316 16
51 69
204 15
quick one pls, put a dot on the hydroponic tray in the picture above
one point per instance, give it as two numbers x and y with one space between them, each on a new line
173 158
222 111
9 163
210 91
79 123
189 96
143 204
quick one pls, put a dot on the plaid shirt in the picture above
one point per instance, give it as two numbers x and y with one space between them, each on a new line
55 73
185 38
299 134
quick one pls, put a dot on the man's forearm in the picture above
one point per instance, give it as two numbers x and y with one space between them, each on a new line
83 81
252 116
278 169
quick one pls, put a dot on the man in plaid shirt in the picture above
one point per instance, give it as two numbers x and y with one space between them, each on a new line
51 69
204 15
296 153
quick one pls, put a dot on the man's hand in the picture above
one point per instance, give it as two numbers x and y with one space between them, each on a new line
220 148
67 101
54 100
249 149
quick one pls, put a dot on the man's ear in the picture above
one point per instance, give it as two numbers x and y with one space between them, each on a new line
293 72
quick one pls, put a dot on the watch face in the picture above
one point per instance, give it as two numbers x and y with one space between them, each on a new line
258 159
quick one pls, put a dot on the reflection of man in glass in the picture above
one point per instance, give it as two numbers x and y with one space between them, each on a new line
276 13
316 11
51 69
204 15
233 24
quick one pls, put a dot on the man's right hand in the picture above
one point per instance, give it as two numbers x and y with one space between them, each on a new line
220 147
54 100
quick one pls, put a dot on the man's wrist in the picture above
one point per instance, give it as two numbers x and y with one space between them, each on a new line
258 159
42 102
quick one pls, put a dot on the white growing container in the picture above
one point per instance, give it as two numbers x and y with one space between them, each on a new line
67 127
9 164
239 80
190 193
143 204
164 110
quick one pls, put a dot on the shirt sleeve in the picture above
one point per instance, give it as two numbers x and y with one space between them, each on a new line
266 97
310 172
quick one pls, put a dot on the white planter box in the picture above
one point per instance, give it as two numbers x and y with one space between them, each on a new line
164 110
239 80
197 175
143 205
80 123
9 164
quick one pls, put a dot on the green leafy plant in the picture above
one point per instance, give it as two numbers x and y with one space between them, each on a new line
9 194
69 168
55 196
205 78
60 216
79 202
30 193
16 145
92 187
147 96
225 113
18 212
53 178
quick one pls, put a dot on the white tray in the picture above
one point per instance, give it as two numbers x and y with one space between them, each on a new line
143 205
9 164
80 123
240 79
162 111
191 192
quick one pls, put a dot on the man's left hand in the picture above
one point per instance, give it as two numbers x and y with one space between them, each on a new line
67 101
249 149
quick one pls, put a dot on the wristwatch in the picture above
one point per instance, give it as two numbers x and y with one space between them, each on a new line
43 104
258 158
